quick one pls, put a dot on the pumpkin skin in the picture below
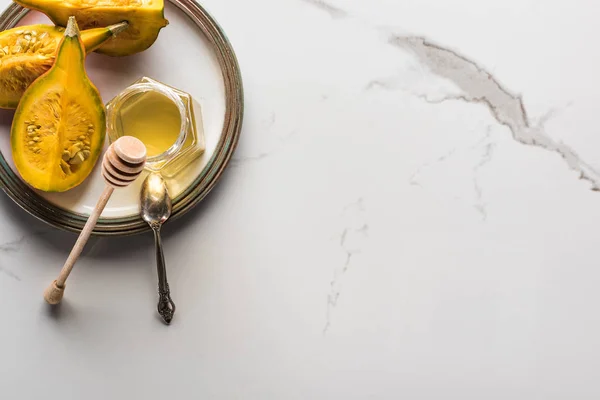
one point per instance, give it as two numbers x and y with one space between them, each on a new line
59 126
26 52
145 18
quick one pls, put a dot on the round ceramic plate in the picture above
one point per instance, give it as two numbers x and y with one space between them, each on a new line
191 54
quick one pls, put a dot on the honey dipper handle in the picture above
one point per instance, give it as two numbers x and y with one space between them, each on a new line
54 293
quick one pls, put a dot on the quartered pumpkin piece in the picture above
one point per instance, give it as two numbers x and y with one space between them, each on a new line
59 126
26 52
145 18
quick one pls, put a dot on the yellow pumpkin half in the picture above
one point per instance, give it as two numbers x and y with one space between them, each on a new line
145 18
59 126
26 52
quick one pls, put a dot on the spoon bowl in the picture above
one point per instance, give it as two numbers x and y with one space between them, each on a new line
156 204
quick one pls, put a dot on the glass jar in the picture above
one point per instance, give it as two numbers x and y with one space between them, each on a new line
164 119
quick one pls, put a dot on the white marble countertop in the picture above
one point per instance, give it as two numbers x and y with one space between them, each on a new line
409 215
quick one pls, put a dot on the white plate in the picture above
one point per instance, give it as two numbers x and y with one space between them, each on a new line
182 57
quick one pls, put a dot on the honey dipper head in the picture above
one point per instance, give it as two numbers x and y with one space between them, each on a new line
124 161
130 149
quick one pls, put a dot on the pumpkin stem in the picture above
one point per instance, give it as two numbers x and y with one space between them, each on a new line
118 28
72 29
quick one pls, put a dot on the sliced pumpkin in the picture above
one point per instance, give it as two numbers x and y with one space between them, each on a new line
145 18
59 126
26 52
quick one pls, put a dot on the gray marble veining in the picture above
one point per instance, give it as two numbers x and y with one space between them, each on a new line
354 233
333 11
481 87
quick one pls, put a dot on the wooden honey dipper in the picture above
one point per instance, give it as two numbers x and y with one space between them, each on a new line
123 162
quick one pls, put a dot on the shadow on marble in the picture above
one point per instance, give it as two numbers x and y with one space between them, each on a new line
60 312
67 320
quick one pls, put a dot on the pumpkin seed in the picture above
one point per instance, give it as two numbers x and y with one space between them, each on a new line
65 167
74 149
78 159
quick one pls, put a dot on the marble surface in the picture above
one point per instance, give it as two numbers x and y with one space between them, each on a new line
409 214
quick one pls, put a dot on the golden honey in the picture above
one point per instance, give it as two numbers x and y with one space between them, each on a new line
164 119
151 117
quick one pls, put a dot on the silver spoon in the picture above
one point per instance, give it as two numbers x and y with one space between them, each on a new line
155 210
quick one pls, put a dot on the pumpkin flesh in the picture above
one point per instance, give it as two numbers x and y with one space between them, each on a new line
26 52
59 126
145 18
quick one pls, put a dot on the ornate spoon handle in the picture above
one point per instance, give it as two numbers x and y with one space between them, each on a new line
166 306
